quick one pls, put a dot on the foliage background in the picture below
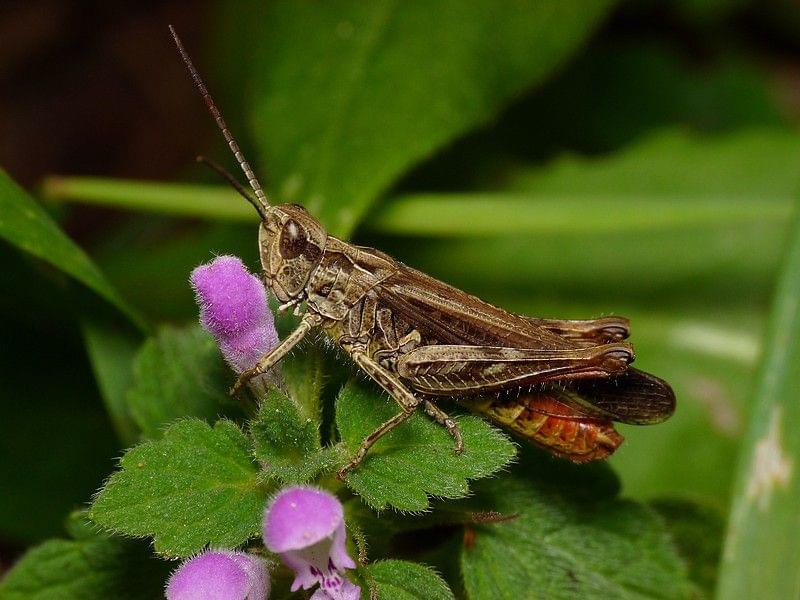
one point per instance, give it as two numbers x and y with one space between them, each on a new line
570 159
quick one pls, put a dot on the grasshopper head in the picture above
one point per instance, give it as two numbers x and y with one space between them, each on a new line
291 244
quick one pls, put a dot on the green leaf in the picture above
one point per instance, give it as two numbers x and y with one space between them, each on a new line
25 225
92 567
178 373
762 551
751 164
304 374
403 580
286 443
416 459
111 348
394 92
566 538
624 87
196 486
697 531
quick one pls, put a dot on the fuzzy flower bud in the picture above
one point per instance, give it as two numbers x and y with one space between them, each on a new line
219 575
305 526
234 309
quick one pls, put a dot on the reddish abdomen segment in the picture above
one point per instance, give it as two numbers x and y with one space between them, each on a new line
539 417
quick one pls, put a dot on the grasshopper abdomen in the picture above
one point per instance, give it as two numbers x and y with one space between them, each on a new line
538 417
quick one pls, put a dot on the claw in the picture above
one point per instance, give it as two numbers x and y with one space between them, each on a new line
341 473
243 379
354 462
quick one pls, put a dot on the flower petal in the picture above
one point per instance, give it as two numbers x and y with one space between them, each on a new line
348 591
219 575
300 517
244 350
338 553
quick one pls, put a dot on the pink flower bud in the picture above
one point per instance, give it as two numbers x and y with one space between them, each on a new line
219 575
233 308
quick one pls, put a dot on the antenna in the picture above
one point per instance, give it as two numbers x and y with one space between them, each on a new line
261 197
222 172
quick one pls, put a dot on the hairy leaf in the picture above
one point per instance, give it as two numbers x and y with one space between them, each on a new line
93 566
304 373
178 373
286 443
563 536
416 459
403 580
195 486
399 80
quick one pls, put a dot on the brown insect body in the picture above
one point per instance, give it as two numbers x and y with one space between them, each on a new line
440 341
558 383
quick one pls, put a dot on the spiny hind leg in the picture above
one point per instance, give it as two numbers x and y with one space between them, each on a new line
446 421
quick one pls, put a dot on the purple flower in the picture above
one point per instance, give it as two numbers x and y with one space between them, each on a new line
219 575
305 526
233 307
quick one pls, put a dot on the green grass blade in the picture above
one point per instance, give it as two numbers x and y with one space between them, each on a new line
762 550
27 226
182 200
504 213
445 215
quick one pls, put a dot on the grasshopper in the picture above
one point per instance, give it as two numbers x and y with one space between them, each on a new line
557 383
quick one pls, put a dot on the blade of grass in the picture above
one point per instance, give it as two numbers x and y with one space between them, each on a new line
184 200
762 550
26 225
445 215
557 239
499 213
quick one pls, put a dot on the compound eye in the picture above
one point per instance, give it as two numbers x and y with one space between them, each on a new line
293 239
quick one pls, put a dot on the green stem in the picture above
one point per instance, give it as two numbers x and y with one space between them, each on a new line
201 201
444 215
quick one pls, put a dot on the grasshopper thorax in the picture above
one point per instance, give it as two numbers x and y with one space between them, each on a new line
291 243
